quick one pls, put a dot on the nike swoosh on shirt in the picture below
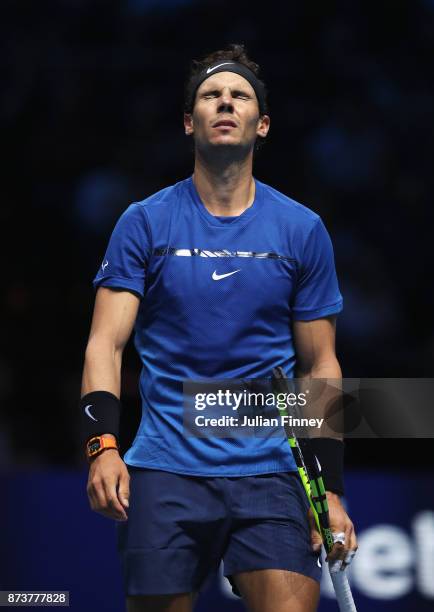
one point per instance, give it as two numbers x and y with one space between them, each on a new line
216 276
87 411
218 66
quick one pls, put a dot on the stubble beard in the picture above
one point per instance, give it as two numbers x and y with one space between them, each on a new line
222 155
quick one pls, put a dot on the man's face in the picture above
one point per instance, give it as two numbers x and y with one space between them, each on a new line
226 113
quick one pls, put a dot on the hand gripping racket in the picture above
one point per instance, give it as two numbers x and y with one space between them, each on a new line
309 470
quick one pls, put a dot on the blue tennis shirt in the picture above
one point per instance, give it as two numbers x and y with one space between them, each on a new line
218 297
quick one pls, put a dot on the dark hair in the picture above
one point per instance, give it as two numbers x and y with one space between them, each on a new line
234 52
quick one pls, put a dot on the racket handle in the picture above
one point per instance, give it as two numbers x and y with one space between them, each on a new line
342 589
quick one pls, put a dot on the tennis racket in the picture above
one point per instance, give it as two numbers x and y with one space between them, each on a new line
309 470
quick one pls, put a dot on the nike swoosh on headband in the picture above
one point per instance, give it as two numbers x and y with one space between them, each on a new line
218 66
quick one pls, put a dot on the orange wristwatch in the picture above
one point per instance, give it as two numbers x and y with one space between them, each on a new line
96 445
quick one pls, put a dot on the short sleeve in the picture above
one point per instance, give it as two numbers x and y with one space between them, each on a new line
125 261
317 293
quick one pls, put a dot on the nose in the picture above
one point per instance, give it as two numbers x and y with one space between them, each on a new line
226 101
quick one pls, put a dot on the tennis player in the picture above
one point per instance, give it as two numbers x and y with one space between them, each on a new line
221 277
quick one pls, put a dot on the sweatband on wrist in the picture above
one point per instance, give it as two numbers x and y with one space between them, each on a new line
100 414
330 454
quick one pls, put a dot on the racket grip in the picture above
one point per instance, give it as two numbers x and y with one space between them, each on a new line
342 589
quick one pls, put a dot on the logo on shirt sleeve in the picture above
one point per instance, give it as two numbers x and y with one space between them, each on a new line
104 265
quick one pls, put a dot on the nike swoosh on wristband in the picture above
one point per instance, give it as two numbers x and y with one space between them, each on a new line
87 411
218 66
216 276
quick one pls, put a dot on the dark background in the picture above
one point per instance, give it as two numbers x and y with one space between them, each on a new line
91 120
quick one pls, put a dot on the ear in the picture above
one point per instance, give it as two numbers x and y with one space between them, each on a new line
263 126
188 124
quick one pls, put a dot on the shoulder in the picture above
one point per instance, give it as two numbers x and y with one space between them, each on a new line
300 228
141 213
288 207
162 198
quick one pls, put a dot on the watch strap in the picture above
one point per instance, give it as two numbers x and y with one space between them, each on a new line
98 444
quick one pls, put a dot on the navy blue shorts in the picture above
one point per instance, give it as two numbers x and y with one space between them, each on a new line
180 527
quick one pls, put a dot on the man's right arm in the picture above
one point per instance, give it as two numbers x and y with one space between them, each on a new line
113 319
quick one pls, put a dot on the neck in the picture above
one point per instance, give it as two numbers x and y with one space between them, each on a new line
226 187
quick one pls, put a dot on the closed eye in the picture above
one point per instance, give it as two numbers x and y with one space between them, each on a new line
241 94
235 94
211 94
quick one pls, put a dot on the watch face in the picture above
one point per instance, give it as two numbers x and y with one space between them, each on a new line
94 446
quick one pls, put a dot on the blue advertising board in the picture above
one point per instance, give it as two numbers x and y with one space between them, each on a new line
52 541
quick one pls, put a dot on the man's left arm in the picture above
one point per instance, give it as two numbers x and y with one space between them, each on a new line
316 359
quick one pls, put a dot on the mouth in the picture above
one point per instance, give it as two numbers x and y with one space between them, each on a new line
225 123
